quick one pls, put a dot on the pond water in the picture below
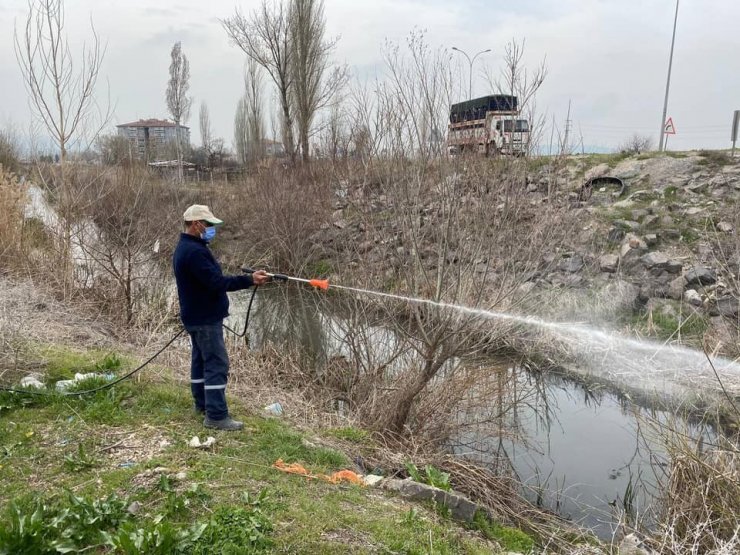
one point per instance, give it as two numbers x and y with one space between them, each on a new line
585 452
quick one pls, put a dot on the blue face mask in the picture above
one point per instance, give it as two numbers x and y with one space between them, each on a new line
208 234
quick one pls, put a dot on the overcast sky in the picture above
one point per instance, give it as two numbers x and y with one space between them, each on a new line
608 57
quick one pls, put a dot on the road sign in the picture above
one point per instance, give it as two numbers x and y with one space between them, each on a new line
669 128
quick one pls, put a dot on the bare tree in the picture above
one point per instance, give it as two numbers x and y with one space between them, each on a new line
204 119
636 144
249 127
178 101
265 38
316 83
517 80
61 94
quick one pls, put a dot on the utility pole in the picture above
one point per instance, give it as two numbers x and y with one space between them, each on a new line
470 62
668 83
565 149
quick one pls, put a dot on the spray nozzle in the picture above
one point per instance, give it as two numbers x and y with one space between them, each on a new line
320 283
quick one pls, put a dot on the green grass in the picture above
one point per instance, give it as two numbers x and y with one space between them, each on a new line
321 268
110 443
349 433
510 539
666 326
714 158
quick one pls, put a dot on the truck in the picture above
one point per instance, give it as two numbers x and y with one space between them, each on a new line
489 125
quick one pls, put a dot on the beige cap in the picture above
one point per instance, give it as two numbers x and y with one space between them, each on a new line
198 212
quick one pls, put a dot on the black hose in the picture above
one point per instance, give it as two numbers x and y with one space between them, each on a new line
102 387
246 319
135 370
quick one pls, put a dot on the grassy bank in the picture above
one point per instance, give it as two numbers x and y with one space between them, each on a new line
114 470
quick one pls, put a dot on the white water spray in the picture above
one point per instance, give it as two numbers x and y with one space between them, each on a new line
664 369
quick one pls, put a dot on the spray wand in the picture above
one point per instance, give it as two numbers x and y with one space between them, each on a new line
318 283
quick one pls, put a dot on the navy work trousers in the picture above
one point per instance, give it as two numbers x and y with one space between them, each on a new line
209 369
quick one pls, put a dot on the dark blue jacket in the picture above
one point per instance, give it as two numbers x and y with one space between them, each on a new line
201 285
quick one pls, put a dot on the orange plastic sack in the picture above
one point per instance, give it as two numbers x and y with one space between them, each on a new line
335 478
346 476
293 468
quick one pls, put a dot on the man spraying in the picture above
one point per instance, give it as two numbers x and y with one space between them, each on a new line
201 290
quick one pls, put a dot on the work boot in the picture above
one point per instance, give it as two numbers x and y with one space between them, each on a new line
228 424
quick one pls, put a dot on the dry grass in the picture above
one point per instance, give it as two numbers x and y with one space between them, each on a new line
701 502
13 201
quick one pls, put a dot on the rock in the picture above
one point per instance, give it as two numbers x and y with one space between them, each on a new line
627 225
609 263
460 507
597 171
676 287
632 545
134 508
639 213
180 476
674 266
728 306
532 188
700 275
651 239
651 221
692 297
666 221
694 211
635 242
572 264
615 235
725 227
655 259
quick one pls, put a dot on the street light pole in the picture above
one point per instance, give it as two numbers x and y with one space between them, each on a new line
470 62
668 83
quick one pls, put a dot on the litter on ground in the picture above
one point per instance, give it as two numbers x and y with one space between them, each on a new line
335 478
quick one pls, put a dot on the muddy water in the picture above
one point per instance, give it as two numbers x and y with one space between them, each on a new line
587 454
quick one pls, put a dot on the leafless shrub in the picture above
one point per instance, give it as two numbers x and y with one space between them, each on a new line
636 144
127 232
115 150
13 200
434 228
8 151
700 505
279 212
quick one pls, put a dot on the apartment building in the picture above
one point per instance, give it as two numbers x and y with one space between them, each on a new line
153 139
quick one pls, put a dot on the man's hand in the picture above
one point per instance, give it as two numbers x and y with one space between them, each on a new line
260 277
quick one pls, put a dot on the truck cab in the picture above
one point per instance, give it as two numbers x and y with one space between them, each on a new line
508 135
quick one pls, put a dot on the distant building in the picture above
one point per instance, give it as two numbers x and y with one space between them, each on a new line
149 138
